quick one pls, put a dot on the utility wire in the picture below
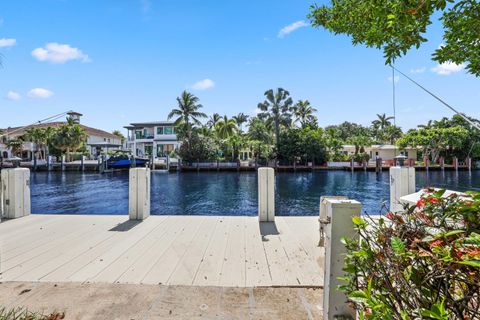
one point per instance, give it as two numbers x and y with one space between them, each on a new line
474 124
35 123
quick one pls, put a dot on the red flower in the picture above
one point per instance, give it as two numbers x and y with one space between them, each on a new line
469 203
433 200
421 203
390 215
473 252
436 243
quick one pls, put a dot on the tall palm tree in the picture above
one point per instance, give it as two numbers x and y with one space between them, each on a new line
303 112
240 118
187 113
226 127
15 145
212 122
37 136
383 121
276 109
69 137
120 135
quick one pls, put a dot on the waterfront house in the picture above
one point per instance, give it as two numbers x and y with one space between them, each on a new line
147 139
386 152
98 141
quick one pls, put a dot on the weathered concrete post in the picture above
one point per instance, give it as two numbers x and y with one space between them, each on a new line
62 163
402 182
426 162
139 193
15 189
468 161
340 213
455 163
441 161
266 194
49 163
352 164
82 163
34 162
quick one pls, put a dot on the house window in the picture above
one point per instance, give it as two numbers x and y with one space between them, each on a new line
104 139
138 134
168 130
159 130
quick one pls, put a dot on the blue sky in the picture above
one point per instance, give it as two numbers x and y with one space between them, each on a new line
126 61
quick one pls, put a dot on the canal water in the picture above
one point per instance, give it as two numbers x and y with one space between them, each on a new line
224 193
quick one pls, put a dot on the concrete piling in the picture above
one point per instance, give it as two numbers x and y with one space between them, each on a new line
266 194
139 193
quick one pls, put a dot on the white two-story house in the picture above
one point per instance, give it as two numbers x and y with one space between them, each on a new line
147 139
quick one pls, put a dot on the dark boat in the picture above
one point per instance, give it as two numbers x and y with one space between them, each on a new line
125 161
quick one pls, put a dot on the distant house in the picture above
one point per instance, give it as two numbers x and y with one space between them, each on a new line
98 141
384 151
157 139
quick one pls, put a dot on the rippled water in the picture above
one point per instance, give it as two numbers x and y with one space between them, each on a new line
225 193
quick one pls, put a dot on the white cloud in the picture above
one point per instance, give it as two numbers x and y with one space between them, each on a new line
291 27
418 70
203 84
4 42
397 79
39 93
447 68
12 95
59 53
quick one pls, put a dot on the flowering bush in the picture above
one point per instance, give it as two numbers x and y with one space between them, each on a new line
423 263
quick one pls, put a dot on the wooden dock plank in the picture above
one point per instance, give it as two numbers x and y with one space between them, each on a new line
210 268
167 262
187 268
257 272
233 269
227 251
95 267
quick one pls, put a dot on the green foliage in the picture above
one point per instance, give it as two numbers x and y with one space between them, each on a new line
422 263
198 147
435 141
276 110
396 26
25 314
69 137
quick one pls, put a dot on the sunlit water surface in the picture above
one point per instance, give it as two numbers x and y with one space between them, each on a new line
224 193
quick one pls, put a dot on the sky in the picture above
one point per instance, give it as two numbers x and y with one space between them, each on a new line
126 61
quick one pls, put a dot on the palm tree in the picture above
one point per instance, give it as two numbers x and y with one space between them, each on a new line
69 137
240 118
37 136
187 113
276 109
15 145
119 135
383 121
303 112
226 127
212 122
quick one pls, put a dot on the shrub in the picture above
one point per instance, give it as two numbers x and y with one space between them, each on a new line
423 263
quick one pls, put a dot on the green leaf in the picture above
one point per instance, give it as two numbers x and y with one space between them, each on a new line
454 232
472 263
439 193
358 221
398 245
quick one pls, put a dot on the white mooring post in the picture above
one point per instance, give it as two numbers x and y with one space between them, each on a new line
266 194
402 183
339 214
139 193
15 192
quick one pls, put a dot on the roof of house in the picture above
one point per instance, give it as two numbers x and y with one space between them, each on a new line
89 130
149 124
